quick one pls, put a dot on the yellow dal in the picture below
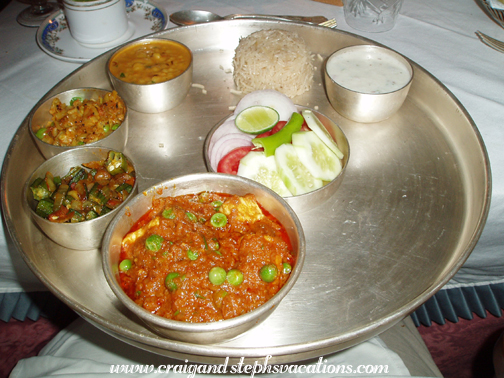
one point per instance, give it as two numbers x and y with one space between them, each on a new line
150 62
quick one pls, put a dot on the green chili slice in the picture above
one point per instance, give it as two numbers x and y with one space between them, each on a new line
218 220
191 216
192 255
217 204
75 99
41 133
168 214
169 283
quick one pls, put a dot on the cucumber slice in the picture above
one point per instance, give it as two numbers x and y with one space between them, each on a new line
316 156
296 177
256 166
315 125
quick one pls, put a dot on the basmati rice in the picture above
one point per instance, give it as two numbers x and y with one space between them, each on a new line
273 59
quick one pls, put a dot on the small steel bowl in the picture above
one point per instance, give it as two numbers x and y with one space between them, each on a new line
304 202
212 332
84 235
366 107
115 141
156 97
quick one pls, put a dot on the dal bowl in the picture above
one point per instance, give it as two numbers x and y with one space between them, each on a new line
83 235
301 202
152 75
115 140
211 331
367 83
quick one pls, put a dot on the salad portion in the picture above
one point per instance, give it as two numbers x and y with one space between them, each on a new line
267 140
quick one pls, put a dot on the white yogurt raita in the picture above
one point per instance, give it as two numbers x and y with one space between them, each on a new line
368 72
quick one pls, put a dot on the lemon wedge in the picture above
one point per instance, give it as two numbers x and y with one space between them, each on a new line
257 119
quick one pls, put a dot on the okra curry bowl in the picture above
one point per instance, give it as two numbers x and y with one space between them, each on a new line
73 196
204 257
79 117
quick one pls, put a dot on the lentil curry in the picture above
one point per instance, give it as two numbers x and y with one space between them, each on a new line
205 257
150 62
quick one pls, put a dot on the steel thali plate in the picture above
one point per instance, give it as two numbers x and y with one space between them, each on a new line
407 215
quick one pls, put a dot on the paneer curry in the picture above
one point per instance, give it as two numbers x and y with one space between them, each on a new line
205 257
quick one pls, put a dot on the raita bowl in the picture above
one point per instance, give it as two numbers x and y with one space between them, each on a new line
367 83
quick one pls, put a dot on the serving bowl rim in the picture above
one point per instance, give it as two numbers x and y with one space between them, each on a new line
143 41
110 214
300 108
67 148
176 325
389 51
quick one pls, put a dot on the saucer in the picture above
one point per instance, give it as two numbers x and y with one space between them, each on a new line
54 38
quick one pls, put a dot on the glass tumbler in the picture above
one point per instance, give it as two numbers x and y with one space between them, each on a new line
372 16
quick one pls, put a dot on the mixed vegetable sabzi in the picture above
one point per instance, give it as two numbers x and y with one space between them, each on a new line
85 192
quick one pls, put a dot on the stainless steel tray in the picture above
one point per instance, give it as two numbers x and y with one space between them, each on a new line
410 209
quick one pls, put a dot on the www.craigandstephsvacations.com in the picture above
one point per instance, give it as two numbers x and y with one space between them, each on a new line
191 370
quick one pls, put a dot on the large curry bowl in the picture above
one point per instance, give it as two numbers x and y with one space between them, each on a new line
210 332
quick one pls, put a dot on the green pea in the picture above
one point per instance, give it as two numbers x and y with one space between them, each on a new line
217 275
106 128
169 283
115 126
268 273
191 216
234 277
125 265
218 220
287 268
193 255
154 242
168 214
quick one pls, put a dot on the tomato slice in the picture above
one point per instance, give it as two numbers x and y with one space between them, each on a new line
230 162
275 129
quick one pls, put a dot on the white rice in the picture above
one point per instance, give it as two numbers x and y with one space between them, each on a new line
273 59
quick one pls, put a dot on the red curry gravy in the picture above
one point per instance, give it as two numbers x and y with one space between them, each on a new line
167 258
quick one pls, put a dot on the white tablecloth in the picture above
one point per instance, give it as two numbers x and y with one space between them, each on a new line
438 35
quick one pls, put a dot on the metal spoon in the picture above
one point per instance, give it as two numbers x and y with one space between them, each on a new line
191 17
